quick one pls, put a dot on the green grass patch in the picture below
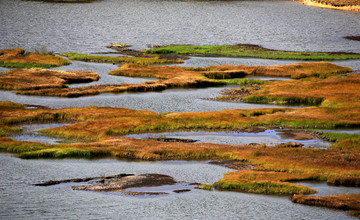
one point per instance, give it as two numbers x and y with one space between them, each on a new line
244 50
6 130
60 153
334 137
284 100
264 187
205 186
244 82
23 65
109 59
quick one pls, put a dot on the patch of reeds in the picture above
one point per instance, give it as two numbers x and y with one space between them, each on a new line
262 182
246 50
60 153
18 58
7 131
109 59
284 100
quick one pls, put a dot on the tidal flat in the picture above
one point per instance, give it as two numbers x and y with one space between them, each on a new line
89 115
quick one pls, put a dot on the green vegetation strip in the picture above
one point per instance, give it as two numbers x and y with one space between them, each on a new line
21 65
245 50
109 59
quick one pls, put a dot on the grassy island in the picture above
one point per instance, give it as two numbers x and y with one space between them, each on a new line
185 77
248 50
18 58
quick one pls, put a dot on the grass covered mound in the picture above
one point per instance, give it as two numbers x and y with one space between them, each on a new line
344 202
334 91
149 60
265 182
18 58
34 79
248 50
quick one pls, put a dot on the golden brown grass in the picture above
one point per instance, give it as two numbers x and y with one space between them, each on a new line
35 79
348 5
17 58
343 202
51 83
335 91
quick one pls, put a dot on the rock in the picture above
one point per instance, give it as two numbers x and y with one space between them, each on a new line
181 190
119 184
118 45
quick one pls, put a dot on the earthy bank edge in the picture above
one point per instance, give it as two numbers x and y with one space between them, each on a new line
249 50
344 202
18 58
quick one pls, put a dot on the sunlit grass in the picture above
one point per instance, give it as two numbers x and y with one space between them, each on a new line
18 58
245 50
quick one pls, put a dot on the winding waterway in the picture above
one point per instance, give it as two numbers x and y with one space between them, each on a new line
87 28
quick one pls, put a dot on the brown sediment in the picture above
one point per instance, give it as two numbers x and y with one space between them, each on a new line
348 5
343 202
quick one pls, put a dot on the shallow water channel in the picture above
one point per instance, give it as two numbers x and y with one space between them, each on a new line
268 137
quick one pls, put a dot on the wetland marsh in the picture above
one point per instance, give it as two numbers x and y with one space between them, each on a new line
99 123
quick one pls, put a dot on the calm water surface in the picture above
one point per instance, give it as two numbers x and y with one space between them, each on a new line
21 200
88 28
